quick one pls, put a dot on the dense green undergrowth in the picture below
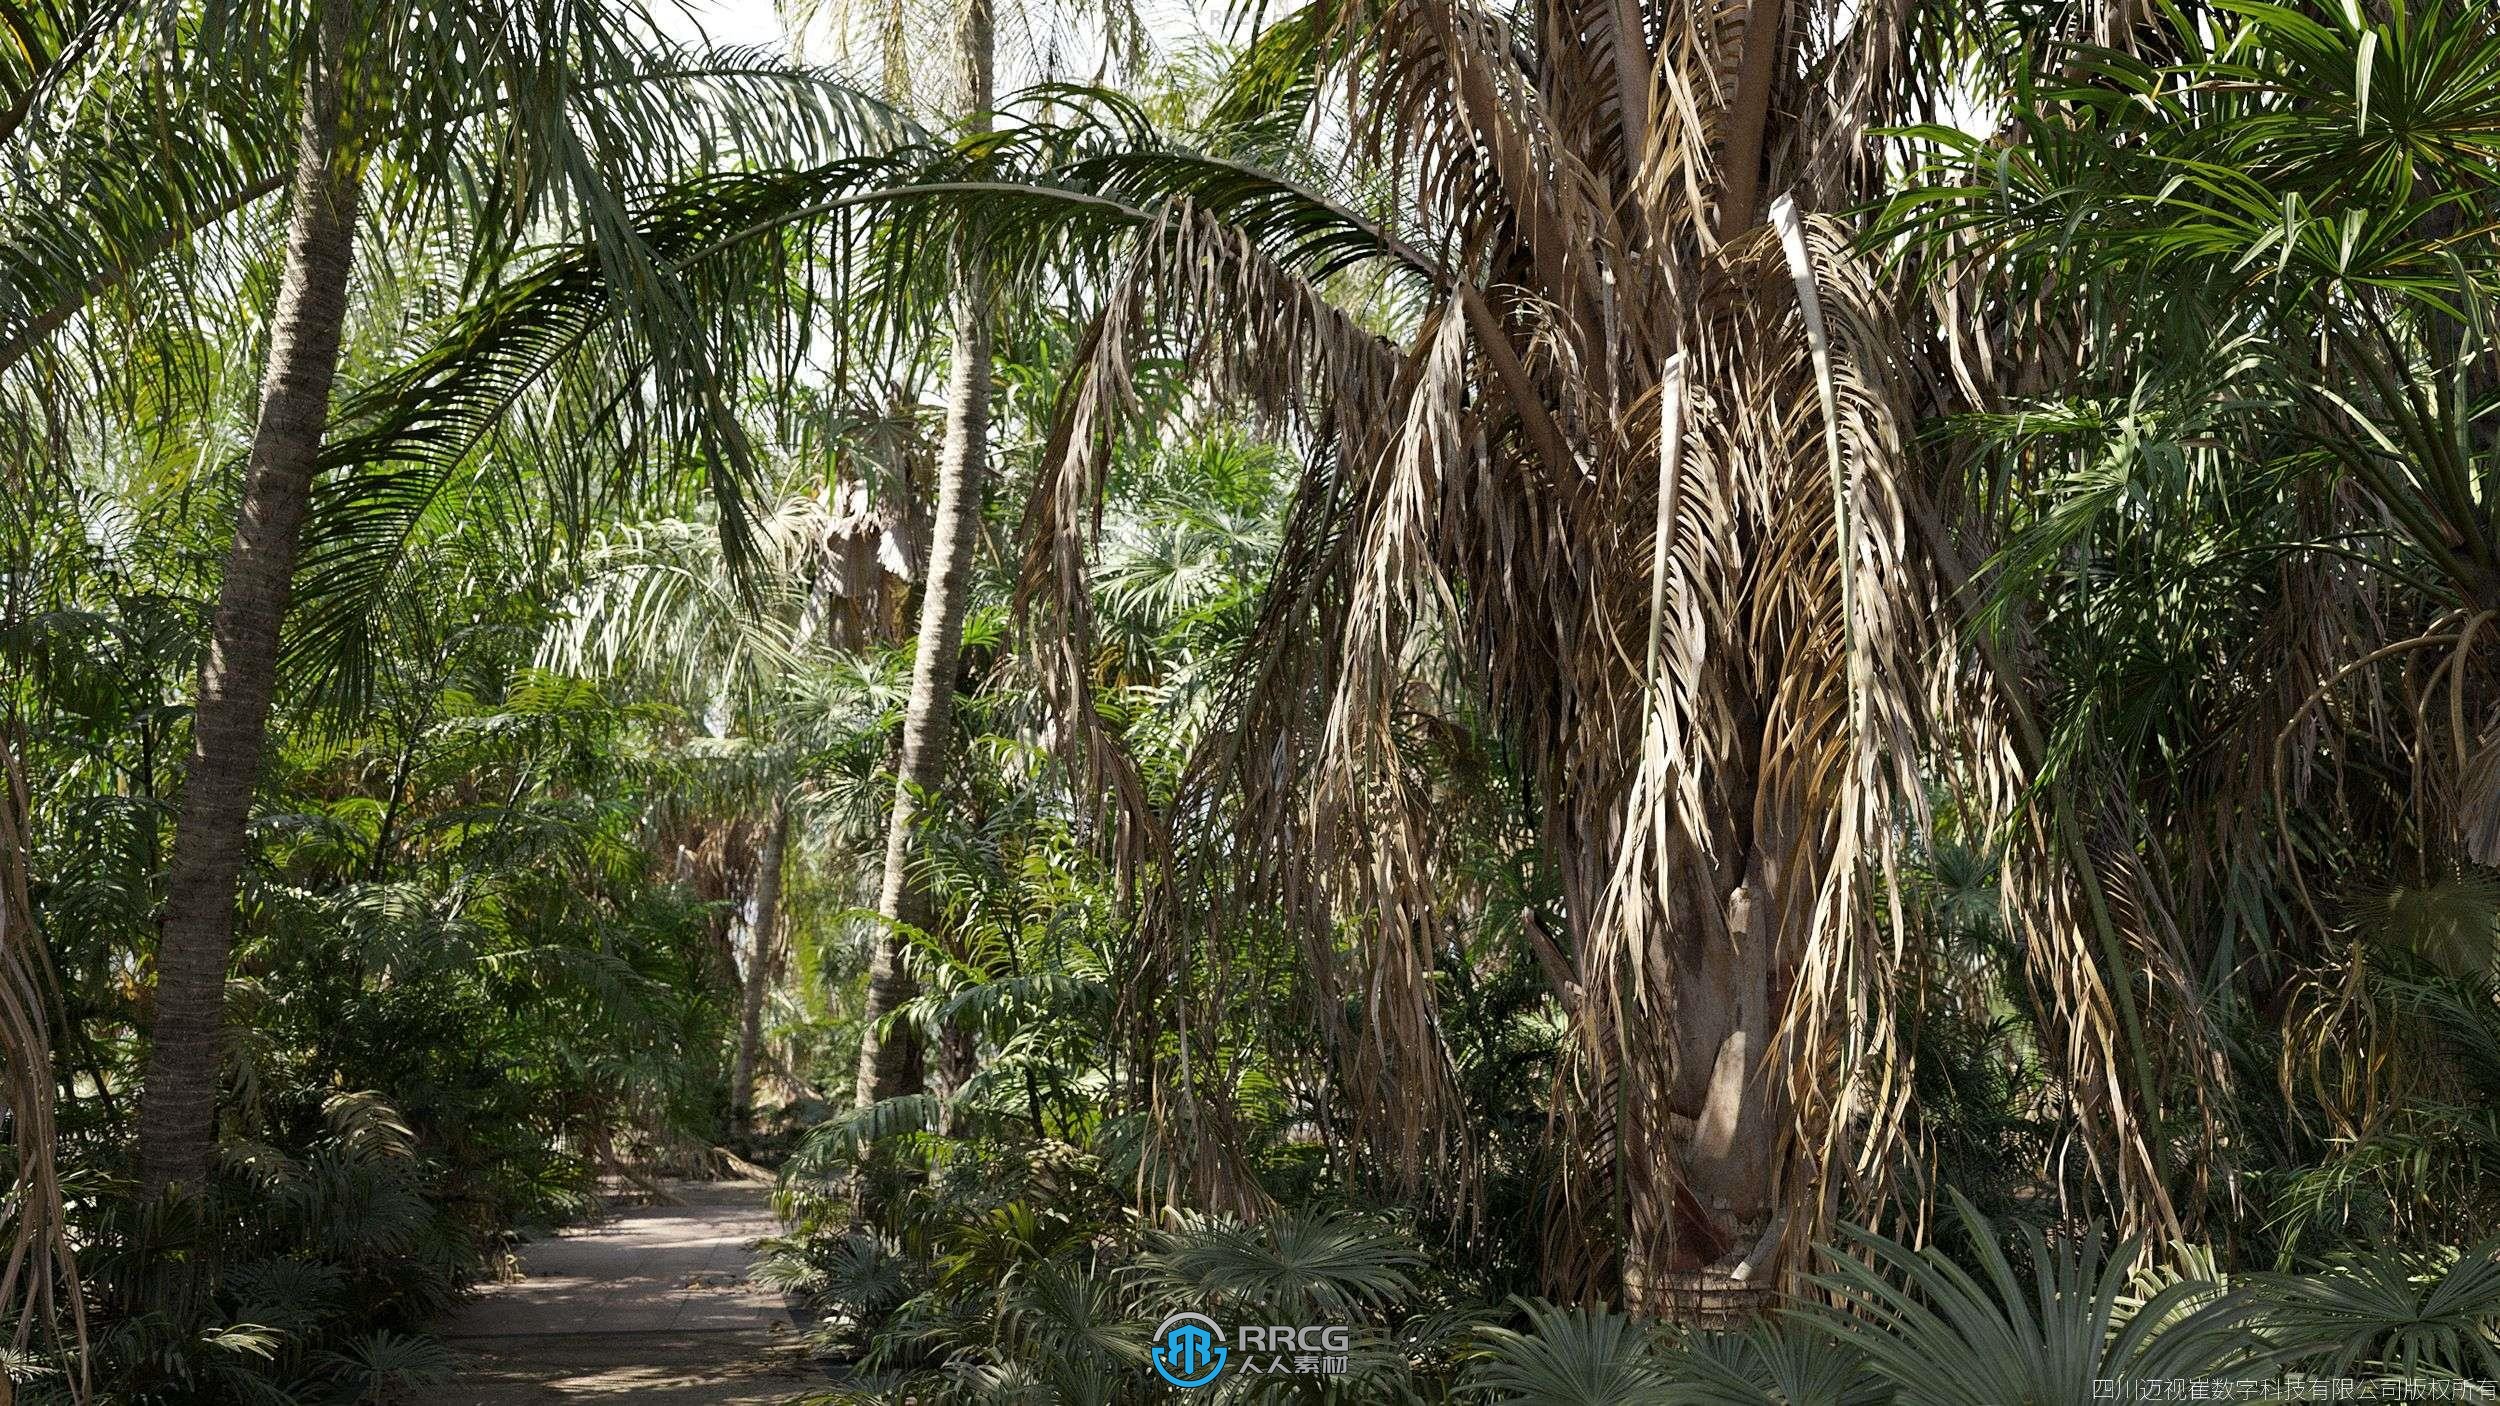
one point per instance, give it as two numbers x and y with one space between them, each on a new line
1024 1294
463 990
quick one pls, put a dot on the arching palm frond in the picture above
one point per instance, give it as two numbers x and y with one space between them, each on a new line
533 408
1571 1357
1306 1266
2414 1315
1931 1327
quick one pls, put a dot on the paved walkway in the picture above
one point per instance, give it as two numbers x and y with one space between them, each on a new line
651 1305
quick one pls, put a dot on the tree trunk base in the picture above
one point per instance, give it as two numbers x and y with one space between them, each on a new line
1698 1298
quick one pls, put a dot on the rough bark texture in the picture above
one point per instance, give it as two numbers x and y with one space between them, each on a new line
1727 1000
1749 117
894 1064
177 1108
760 921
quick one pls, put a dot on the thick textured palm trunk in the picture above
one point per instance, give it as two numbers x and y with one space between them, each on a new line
761 919
1727 1105
893 1063
1718 1123
1731 1151
177 1108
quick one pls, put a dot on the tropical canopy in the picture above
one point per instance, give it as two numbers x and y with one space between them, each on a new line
1776 698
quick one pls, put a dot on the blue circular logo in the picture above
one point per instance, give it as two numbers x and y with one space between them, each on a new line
1188 1349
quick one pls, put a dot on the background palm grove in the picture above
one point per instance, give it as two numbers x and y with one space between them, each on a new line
1782 701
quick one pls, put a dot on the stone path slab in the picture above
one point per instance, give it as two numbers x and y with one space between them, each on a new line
650 1305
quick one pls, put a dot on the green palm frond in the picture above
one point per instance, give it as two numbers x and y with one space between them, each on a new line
290 1295
1790 1362
383 1363
2403 1312
1303 1264
1571 1357
842 1141
367 1127
2045 1333
1076 1317
2452 923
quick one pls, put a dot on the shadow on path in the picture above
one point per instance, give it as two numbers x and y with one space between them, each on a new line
651 1305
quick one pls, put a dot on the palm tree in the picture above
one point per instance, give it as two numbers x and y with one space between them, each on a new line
78 88
891 1062
2237 410
664 605
1637 398
1630 397
598 133
239 675
762 936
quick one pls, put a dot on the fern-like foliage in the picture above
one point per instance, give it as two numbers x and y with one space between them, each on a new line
1308 1266
2064 1323
1570 1357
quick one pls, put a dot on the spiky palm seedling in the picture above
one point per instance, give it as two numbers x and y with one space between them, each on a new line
2431 1315
385 1366
1305 1266
1785 1362
2064 1321
1572 1357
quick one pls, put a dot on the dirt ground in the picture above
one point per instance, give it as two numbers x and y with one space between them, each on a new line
651 1305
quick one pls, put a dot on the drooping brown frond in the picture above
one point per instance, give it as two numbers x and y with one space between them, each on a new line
1266 340
1493 517
40 1279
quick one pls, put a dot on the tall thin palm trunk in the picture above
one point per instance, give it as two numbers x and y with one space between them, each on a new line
893 1063
761 918
177 1109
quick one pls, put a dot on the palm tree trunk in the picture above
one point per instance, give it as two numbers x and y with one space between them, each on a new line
177 1108
762 921
1749 117
894 1064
